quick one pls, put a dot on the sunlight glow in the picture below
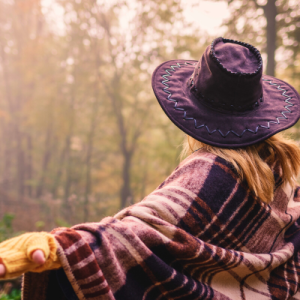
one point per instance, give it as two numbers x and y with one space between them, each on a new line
207 16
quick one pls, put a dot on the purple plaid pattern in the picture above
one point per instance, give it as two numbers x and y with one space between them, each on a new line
200 235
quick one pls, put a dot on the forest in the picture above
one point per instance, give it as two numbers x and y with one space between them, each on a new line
81 132
82 135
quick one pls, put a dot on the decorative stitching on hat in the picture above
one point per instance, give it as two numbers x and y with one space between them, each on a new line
178 65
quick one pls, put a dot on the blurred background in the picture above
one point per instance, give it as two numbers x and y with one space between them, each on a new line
81 133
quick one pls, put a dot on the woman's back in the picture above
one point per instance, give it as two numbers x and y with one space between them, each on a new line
200 235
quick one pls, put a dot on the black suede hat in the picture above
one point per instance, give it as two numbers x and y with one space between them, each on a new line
223 99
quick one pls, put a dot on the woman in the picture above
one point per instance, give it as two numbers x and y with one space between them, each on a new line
223 225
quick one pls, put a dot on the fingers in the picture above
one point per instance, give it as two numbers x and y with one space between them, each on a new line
38 257
2 270
31 252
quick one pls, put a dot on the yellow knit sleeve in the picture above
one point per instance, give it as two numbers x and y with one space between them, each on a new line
16 253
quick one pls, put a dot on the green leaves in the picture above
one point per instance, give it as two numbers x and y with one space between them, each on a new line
6 230
14 295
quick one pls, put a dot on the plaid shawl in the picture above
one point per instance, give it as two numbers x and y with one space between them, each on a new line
200 235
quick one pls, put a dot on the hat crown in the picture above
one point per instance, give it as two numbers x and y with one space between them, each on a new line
237 58
228 76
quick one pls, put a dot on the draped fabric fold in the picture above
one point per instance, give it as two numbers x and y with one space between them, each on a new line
200 235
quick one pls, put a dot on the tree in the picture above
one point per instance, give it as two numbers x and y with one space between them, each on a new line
83 132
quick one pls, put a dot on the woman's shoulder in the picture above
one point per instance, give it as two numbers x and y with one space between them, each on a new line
206 161
202 168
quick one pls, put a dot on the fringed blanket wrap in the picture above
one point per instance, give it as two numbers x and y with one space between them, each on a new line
200 235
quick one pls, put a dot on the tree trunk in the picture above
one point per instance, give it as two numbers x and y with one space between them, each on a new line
7 168
66 205
20 163
88 161
46 159
7 126
60 168
68 157
126 193
270 12
29 169
89 155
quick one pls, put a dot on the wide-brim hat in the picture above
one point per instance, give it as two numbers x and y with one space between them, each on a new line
223 99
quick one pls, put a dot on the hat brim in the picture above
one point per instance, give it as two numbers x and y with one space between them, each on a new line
278 111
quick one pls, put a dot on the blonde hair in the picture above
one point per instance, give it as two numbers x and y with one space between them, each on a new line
255 163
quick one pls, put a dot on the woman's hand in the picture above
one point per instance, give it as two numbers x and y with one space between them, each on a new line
29 252
38 258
